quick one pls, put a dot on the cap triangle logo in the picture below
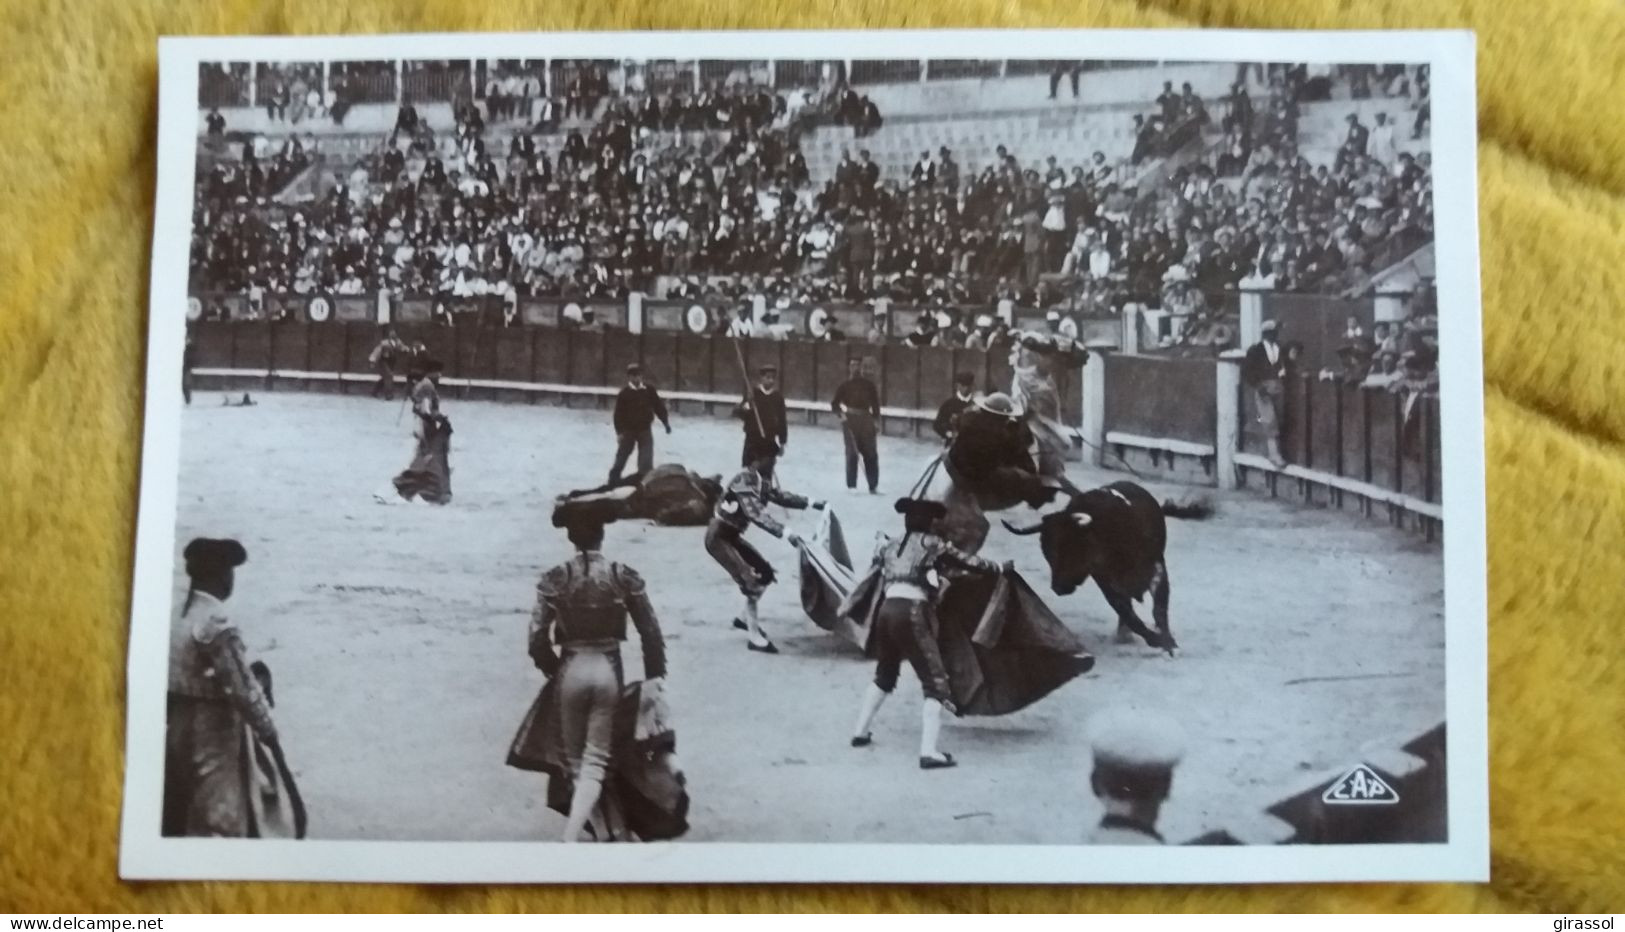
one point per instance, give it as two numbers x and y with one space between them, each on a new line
1360 787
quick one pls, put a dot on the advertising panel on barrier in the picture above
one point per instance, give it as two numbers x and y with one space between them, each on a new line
1110 563
354 309
413 310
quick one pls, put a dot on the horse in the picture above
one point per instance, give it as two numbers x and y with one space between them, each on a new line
992 464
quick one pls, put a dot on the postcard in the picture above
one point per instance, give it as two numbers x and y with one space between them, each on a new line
738 457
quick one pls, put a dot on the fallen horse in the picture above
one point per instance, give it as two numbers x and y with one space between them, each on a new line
1002 646
668 494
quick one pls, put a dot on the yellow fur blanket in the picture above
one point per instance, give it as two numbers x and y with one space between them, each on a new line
78 106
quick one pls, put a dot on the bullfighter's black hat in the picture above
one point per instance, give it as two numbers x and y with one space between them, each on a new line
921 507
207 555
572 513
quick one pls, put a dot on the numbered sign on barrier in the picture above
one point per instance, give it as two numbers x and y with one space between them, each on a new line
818 321
319 310
697 319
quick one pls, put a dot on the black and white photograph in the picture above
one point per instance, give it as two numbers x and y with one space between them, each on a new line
814 457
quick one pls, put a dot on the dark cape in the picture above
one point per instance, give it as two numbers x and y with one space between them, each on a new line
1002 646
645 796
429 474
826 577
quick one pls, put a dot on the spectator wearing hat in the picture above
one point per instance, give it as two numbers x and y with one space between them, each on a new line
924 172
1135 754
857 404
877 325
213 695
924 332
983 333
904 625
858 252
1264 371
947 171
576 632
1033 243
1382 144
767 428
636 407
1354 144
946 423
1061 325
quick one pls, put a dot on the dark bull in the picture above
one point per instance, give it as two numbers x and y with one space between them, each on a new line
1116 535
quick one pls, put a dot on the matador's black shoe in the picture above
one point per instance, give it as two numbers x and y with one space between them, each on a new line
863 740
938 763
739 625
767 648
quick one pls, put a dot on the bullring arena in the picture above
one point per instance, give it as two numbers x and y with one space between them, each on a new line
536 225
398 637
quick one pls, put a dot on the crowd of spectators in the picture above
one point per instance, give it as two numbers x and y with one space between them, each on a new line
709 193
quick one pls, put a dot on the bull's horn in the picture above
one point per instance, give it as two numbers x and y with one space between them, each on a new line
1081 519
1029 529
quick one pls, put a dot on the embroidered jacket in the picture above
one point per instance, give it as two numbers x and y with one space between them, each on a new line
207 661
744 502
912 557
588 599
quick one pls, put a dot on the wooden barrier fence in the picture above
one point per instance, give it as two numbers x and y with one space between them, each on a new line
483 362
1347 445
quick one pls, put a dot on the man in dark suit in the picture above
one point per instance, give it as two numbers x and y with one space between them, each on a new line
1264 371
636 408
860 252
1062 69
1168 102
636 175
857 404
868 173
767 429
795 164
1354 144
947 171
924 173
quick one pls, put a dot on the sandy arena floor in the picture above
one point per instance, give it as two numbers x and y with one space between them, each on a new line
397 635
